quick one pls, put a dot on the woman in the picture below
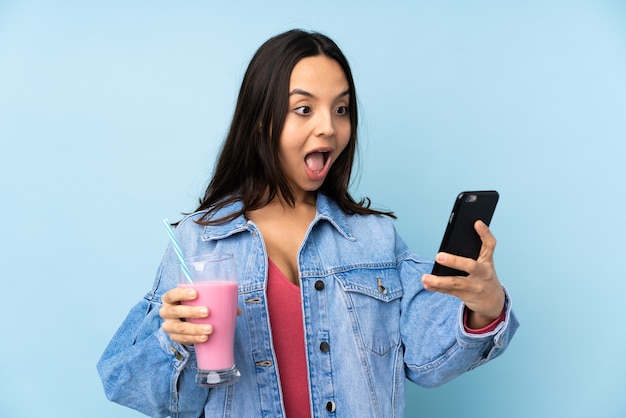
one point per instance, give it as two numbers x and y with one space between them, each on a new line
335 310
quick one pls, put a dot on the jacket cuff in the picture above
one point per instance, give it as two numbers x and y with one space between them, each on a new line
468 336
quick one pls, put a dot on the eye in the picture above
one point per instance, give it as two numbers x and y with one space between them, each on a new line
302 110
342 110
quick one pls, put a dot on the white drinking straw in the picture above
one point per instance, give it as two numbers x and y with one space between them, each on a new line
177 250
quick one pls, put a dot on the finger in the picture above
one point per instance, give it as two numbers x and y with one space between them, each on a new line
488 240
186 328
453 285
179 312
188 340
456 262
179 294
186 332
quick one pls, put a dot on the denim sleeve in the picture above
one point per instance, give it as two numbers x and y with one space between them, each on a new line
437 347
143 369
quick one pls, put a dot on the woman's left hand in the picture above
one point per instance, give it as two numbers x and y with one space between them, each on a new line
481 291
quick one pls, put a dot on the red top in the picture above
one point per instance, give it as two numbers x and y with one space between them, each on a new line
285 309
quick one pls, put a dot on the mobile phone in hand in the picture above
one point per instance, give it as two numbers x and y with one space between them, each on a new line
460 237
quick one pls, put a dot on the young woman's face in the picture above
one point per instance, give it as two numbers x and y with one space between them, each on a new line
317 126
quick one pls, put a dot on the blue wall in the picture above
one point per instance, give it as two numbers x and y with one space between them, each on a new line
111 114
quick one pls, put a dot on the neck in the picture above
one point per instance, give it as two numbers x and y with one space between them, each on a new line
278 208
302 200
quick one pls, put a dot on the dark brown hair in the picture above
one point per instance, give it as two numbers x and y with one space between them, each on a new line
248 168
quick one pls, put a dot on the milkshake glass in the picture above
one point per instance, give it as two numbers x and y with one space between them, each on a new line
215 280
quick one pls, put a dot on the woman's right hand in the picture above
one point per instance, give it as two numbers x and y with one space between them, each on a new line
174 316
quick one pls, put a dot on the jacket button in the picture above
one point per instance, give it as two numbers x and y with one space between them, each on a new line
319 285
330 406
324 347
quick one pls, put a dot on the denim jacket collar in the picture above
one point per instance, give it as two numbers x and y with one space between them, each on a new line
327 210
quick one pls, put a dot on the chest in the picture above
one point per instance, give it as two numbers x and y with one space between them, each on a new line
283 235
282 244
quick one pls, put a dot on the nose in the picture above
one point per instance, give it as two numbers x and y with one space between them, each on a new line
325 124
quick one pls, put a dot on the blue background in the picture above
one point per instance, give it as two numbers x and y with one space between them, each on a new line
111 114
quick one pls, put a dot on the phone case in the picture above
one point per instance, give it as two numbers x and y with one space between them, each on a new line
460 237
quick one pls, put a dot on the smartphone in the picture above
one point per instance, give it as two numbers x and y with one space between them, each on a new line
460 237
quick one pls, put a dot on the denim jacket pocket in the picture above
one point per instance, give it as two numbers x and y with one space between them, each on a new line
373 301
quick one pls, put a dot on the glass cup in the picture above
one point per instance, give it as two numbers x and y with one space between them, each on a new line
215 279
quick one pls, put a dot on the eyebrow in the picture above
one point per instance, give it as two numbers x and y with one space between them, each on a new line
307 94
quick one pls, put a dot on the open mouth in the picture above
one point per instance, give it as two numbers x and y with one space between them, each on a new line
316 161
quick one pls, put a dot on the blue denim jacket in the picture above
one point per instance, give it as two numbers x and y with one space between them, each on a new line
361 296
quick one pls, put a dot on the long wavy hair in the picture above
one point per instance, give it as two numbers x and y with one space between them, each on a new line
248 167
